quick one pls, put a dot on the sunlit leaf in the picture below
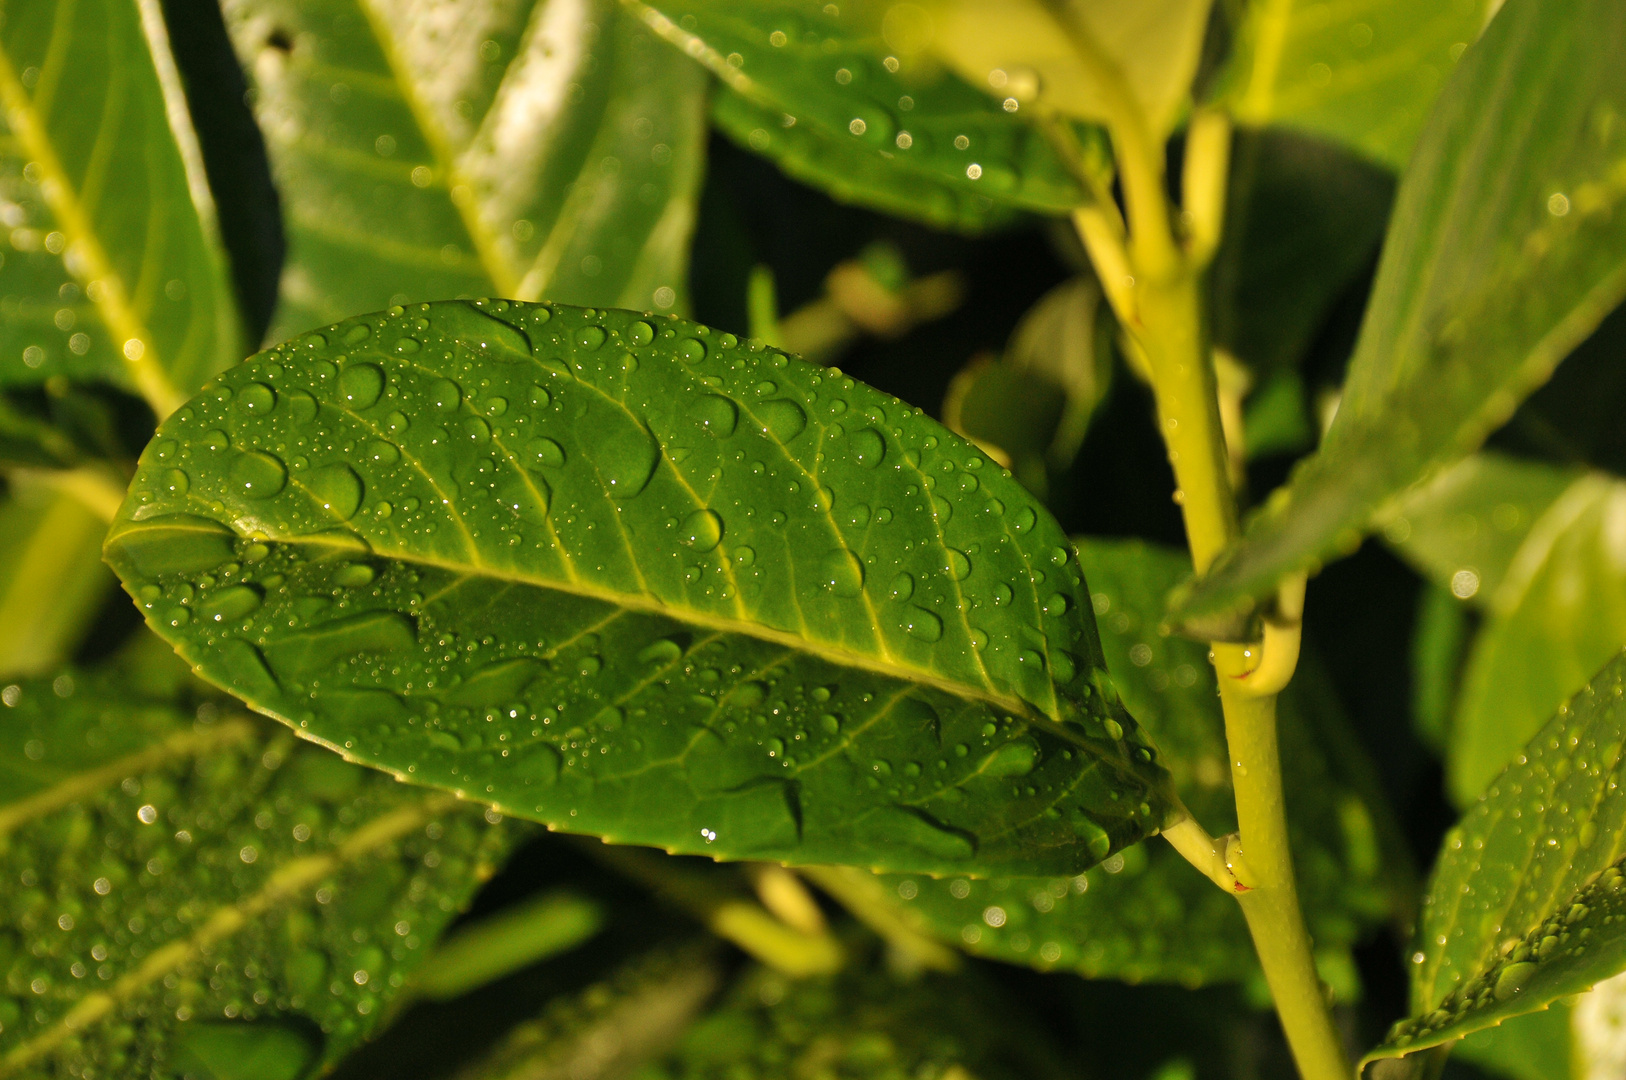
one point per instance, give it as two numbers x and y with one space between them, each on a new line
1527 898
205 889
509 147
1032 48
1506 248
1149 916
1361 73
51 576
842 98
114 269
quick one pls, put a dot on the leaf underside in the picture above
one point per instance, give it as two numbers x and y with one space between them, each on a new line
1506 248
179 885
1528 896
629 576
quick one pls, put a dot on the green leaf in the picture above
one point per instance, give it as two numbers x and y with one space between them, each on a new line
51 576
1536 547
864 1023
1535 1046
1463 530
629 576
114 269
1506 248
1439 644
1361 73
1149 916
827 95
1303 219
501 944
1152 47
241 893
518 148
1527 898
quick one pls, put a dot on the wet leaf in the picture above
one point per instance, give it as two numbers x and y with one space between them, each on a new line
1506 248
863 1024
205 890
1528 896
1363 73
512 147
51 576
630 576
1149 916
114 260
847 100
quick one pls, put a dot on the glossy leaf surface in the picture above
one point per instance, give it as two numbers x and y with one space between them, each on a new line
180 889
1527 901
524 148
873 122
1363 74
629 576
113 270
1149 916
51 576
1506 248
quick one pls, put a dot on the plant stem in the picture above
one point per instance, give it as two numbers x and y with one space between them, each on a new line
1160 305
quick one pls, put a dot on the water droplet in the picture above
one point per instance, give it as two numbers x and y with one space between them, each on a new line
1013 759
590 337
1003 594
256 398
539 396
660 651
217 440
258 475
361 385
476 430
1114 730
230 604
1023 520
544 451
957 564
922 624
445 395
383 452
691 351
590 665
829 723
842 573
868 447
407 346
175 482
715 413
745 555
354 575
783 418
1512 979
357 334
627 462
902 587
337 488
1056 605
701 530
640 333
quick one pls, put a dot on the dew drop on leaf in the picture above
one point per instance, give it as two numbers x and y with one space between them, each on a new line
337 488
868 447
257 399
361 385
783 418
259 475
922 624
701 530
842 573
715 413
544 451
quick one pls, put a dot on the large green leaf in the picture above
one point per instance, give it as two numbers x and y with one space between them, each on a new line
1149 916
1362 72
183 889
1528 894
1539 548
633 577
522 148
114 269
843 99
1506 248
51 576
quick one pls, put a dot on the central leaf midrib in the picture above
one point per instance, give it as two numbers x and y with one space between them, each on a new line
649 605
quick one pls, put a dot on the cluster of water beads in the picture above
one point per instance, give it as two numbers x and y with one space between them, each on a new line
121 876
